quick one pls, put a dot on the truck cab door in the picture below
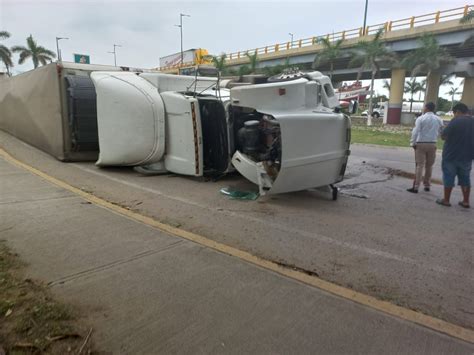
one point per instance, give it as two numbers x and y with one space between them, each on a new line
184 147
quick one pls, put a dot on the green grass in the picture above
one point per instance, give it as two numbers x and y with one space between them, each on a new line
378 136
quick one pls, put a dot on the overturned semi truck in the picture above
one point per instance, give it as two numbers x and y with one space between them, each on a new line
282 135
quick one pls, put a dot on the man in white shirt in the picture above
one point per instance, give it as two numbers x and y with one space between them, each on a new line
423 139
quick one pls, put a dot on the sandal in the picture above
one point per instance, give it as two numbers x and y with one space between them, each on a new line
462 204
442 202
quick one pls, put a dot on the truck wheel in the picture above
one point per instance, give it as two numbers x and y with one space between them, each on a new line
375 115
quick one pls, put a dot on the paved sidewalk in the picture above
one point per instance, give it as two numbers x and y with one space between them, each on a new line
147 292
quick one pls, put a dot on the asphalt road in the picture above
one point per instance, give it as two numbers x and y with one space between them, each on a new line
376 239
145 292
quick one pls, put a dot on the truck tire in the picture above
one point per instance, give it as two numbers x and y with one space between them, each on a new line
375 115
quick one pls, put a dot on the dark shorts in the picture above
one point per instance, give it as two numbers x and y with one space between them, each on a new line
461 169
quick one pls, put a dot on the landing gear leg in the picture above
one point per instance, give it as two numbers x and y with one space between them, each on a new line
334 192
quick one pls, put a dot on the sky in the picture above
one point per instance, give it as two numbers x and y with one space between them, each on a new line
146 29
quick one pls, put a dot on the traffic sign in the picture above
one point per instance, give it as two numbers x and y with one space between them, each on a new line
82 58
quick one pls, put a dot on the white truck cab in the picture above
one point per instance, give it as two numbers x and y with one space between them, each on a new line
282 136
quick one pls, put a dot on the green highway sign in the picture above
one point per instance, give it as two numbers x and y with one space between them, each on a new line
82 58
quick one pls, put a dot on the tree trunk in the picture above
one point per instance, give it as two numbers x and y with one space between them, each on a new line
369 115
411 102
332 69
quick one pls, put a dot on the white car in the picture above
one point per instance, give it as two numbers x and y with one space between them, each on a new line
376 112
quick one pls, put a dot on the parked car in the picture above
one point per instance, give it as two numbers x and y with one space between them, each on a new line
377 112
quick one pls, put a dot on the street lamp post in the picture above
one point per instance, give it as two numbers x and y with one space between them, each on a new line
365 15
57 46
181 32
291 36
115 53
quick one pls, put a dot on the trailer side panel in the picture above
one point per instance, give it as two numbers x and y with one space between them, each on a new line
30 109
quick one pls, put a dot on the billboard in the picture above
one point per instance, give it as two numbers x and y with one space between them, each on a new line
175 59
82 58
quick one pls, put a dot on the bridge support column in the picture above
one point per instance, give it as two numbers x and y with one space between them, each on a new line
395 100
432 87
468 93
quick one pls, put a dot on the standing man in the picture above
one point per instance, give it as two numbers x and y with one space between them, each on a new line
423 139
458 153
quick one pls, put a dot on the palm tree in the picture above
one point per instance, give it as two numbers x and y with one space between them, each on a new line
5 53
467 17
253 62
412 87
243 70
329 54
422 88
386 85
453 92
428 58
277 69
219 63
446 80
371 55
38 54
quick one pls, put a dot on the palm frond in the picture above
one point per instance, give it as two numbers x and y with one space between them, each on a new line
253 61
43 51
356 60
219 62
378 35
42 60
31 43
19 49
330 52
5 56
446 80
5 50
468 17
24 56
4 34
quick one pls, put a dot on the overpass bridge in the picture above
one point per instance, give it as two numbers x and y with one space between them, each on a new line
401 36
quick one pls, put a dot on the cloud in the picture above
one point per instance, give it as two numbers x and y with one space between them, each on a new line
146 29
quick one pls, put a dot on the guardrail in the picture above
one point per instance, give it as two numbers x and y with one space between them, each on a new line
406 23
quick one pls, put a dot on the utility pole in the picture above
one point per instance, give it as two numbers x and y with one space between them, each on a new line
365 17
58 51
181 33
291 35
115 53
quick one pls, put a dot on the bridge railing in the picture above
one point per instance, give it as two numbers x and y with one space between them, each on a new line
406 23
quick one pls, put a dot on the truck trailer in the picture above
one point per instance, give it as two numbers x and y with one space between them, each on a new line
282 135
